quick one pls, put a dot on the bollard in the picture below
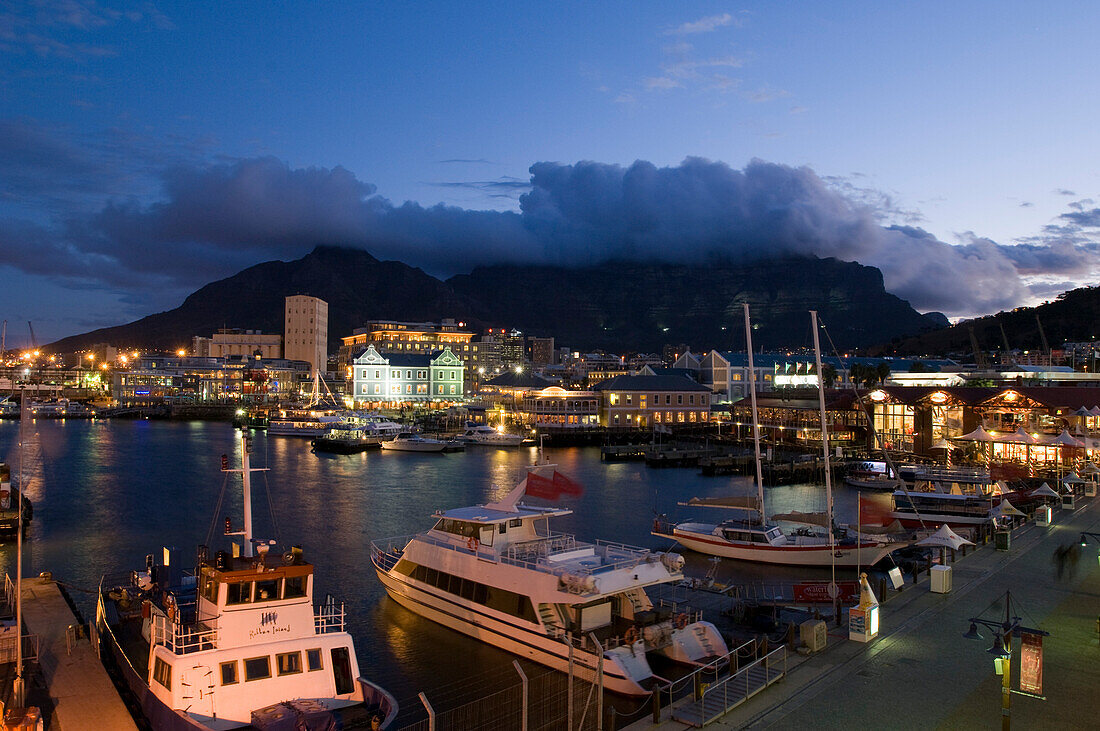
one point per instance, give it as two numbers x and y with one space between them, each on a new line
656 698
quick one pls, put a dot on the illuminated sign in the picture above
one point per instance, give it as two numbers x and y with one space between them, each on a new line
795 379
878 396
938 397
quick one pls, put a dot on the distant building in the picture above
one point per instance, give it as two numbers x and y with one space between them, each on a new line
406 378
541 351
306 334
644 401
512 349
233 341
392 336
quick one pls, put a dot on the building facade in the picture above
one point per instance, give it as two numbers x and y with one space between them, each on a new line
645 401
406 378
306 334
404 338
232 341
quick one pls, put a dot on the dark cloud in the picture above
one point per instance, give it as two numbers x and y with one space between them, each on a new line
211 219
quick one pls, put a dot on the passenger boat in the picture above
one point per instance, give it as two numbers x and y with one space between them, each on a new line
411 442
498 573
217 647
488 436
754 538
866 477
301 422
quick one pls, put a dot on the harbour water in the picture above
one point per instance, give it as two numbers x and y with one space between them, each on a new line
106 493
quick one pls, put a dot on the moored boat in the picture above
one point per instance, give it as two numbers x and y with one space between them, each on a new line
498 573
412 442
488 436
216 647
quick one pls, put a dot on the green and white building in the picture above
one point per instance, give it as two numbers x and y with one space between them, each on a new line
404 378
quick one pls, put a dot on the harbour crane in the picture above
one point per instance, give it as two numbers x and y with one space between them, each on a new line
34 340
1043 337
979 356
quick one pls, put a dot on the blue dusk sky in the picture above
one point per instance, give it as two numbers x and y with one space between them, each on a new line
147 148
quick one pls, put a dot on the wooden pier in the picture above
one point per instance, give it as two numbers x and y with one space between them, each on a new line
82 693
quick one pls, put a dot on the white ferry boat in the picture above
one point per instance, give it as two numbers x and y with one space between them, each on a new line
302 422
496 572
216 648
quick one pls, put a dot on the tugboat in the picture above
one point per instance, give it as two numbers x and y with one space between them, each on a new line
237 641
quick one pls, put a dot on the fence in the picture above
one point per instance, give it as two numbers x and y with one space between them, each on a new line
525 698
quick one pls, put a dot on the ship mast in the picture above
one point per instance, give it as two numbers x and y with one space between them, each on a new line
246 473
755 418
824 441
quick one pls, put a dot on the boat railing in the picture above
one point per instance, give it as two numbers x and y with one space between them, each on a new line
329 618
180 638
388 551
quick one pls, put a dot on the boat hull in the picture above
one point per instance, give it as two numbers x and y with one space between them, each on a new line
535 646
414 447
866 554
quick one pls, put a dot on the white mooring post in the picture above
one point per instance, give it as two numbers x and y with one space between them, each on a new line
430 710
523 725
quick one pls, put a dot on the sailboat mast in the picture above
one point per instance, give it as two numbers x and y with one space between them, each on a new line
824 431
18 687
755 418
246 474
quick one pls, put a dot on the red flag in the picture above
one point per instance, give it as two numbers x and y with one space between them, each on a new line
873 512
551 489
540 487
566 486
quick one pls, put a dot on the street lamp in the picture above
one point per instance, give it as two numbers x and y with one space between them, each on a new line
1002 652
1085 536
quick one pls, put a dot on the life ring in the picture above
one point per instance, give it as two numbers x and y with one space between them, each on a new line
631 636
473 544
680 621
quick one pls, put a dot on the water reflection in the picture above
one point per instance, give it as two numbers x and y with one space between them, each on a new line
108 493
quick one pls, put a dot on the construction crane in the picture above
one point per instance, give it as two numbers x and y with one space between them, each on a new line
1004 338
1043 337
34 340
979 356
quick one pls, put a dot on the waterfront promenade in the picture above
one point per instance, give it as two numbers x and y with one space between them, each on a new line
83 696
920 673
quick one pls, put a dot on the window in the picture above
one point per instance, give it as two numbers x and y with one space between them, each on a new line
229 673
313 660
453 375
239 592
257 668
452 389
267 590
408 375
668 399
288 663
378 374
679 398
162 673
295 586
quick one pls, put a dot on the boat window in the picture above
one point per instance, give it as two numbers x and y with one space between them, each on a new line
772 534
294 586
229 673
486 538
515 523
257 668
542 527
341 670
288 663
210 589
162 673
238 592
267 590
503 528
313 659
759 538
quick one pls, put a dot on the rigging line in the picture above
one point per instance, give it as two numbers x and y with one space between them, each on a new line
271 509
217 509
874 434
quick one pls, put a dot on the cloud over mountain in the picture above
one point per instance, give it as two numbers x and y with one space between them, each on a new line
212 219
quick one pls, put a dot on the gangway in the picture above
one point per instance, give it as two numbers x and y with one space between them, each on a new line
726 694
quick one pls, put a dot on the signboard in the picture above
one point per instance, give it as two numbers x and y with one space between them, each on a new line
809 592
1031 663
857 622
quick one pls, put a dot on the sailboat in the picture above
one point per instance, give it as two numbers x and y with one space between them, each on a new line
753 538
314 419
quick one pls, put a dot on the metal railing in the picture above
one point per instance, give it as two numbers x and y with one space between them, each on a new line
179 638
328 618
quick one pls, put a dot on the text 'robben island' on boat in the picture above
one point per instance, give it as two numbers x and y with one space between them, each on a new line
498 573
236 641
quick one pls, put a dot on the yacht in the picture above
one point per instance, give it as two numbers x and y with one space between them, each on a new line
301 422
486 435
408 441
818 542
498 573
217 647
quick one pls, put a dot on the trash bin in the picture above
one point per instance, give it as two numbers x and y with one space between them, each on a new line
940 579
1002 540
1043 516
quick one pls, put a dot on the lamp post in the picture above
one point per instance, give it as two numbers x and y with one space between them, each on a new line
1086 535
1002 651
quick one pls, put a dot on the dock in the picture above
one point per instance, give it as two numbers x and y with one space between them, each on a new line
920 673
83 695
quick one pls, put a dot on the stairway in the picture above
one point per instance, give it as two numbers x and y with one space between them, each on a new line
550 619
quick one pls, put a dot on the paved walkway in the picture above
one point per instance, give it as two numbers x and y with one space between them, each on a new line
83 695
920 673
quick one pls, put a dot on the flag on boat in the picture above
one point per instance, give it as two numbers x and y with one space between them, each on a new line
552 488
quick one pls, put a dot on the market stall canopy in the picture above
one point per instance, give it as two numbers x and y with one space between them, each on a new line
978 435
943 444
1090 468
1072 479
945 538
1044 491
1083 412
1066 440
1007 510
1094 411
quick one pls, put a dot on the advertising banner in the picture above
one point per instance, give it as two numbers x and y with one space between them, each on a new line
1031 663
818 591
